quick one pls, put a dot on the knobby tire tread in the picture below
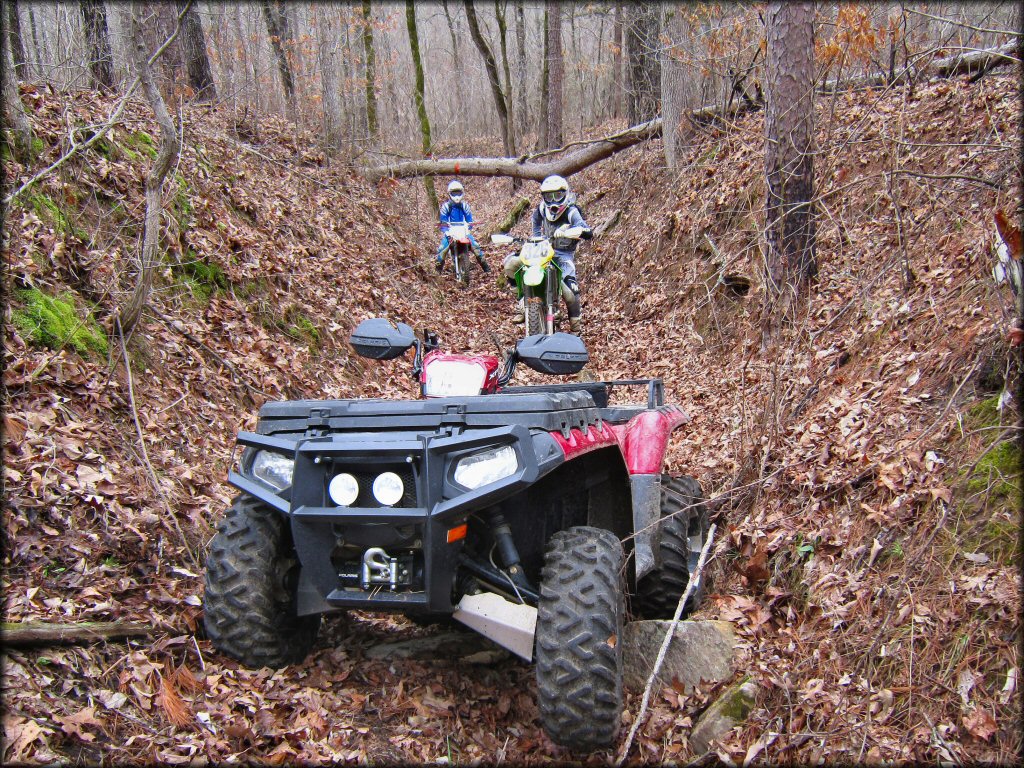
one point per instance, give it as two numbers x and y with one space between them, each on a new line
579 632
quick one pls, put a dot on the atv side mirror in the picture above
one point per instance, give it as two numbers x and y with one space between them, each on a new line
502 239
378 339
558 354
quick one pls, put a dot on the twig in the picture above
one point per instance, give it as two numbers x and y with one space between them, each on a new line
669 634
145 453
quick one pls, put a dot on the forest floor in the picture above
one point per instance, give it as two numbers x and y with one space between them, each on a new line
861 457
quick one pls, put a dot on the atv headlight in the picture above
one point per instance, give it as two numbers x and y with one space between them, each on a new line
388 489
486 467
273 469
445 378
343 489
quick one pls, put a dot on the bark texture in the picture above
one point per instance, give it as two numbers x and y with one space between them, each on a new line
327 56
15 118
17 44
165 158
101 60
556 75
500 102
197 60
673 87
276 17
420 94
642 30
371 70
789 143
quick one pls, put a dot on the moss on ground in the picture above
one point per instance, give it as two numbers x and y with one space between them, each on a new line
138 144
50 212
56 322
296 324
202 278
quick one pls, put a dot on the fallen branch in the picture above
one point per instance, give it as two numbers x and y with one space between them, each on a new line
36 633
669 634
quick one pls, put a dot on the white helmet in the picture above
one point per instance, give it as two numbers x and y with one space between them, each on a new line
455 191
554 194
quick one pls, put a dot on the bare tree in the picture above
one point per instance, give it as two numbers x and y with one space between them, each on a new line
617 89
644 92
553 106
521 110
327 55
17 45
371 71
197 61
789 143
673 85
421 100
276 16
499 14
101 60
166 156
15 118
500 101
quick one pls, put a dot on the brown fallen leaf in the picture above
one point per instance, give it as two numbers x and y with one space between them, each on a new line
980 724
73 725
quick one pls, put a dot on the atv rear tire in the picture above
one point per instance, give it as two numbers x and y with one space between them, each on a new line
536 322
579 633
251 582
681 536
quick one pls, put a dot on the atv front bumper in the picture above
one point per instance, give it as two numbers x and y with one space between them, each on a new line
420 533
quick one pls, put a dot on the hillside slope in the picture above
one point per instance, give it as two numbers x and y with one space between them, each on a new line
862 465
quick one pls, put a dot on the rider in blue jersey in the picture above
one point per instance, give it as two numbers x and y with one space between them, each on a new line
456 211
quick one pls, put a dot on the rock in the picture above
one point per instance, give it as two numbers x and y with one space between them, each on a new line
730 709
700 650
445 645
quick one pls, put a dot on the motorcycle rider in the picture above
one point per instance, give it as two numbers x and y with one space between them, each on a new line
557 213
456 211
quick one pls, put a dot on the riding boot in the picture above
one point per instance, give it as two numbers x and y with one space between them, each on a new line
520 316
483 264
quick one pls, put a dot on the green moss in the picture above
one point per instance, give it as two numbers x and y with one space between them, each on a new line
736 702
38 146
201 278
140 141
55 322
182 201
998 471
984 413
297 325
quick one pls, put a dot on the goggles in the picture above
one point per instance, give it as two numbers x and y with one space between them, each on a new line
553 197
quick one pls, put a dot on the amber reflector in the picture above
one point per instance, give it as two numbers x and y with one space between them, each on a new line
459 532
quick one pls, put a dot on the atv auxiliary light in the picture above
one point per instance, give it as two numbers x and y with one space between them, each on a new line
388 489
343 489
486 467
273 469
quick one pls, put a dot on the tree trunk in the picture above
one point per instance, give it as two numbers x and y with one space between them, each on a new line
17 44
553 105
499 14
500 103
673 85
14 110
37 50
101 61
371 71
165 158
642 31
421 100
327 58
522 120
460 115
276 16
617 89
197 62
563 162
789 143
544 81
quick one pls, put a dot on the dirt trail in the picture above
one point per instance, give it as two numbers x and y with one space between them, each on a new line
870 518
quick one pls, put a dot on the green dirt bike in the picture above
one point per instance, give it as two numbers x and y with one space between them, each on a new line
538 279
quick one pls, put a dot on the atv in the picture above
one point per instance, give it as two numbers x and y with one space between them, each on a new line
535 515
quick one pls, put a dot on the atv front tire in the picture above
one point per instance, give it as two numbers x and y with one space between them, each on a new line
536 322
579 633
251 582
681 536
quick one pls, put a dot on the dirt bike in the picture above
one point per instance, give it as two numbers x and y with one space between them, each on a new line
538 279
461 248
532 514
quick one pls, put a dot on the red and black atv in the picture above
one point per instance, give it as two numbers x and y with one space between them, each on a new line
514 510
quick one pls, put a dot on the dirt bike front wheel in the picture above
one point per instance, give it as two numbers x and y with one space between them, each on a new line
462 267
535 316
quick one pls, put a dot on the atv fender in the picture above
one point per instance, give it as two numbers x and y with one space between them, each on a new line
643 440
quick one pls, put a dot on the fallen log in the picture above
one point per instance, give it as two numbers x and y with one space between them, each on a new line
575 157
513 217
38 633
